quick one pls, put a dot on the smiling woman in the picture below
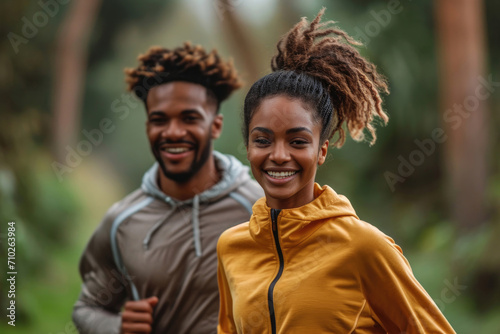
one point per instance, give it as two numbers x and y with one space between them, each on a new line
284 158
305 262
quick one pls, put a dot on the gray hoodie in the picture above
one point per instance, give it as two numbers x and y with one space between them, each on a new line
150 244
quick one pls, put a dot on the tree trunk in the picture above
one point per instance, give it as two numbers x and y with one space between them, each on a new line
70 64
463 97
240 38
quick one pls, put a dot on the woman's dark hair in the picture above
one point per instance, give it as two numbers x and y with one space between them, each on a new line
187 63
329 75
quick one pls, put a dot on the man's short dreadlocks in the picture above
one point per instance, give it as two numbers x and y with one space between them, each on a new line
187 63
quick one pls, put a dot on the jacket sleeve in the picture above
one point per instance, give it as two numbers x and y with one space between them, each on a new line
104 289
226 321
397 300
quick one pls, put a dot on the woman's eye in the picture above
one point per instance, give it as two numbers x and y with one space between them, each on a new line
299 142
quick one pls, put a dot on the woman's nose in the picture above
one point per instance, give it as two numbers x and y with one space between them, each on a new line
279 154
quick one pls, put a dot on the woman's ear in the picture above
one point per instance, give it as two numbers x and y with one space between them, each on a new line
322 153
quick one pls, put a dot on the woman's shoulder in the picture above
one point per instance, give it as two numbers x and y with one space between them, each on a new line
234 234
352 225
358 234
372 244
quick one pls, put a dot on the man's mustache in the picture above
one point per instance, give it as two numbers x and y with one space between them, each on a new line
167 141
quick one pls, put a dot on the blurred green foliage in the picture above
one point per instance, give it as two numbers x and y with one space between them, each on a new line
55 219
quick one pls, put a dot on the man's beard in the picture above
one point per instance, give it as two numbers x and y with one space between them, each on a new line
196 165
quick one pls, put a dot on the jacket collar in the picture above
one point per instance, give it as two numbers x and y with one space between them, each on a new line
297 224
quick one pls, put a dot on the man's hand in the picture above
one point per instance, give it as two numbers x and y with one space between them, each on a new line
137 316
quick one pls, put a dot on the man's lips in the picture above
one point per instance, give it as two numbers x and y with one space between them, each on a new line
175 151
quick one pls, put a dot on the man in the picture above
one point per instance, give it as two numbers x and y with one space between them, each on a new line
157 247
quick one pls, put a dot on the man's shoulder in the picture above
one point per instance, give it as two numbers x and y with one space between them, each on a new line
251 190
244 195
101 235
127 203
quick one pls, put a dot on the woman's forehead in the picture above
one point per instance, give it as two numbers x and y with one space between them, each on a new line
282 113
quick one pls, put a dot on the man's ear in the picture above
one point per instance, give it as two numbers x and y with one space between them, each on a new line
322 153
217 126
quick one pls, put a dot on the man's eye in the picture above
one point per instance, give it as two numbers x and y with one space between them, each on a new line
156 120
261 141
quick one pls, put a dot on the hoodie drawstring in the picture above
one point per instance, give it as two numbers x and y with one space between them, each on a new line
233 174
196 225
147 239
195 212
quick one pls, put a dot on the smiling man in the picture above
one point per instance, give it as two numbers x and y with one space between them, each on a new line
151 265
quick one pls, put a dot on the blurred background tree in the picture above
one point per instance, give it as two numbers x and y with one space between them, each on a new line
63 75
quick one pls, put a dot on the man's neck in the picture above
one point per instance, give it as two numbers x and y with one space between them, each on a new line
204 179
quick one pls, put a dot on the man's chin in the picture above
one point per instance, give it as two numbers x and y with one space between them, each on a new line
179 177
184 171
172 170
177 174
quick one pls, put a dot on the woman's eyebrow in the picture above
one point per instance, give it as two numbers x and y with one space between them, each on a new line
298 129
261 129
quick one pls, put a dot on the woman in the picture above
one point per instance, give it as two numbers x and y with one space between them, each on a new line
305 263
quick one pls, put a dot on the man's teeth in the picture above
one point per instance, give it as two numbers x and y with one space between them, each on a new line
281 175
176 149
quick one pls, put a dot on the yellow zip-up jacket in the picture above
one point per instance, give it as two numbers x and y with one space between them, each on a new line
318 269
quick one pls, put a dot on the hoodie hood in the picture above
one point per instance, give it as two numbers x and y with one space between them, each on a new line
233 174
296 224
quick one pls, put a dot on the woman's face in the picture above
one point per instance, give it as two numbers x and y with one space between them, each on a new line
284 151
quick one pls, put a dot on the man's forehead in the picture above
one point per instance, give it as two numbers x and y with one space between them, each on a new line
181 95
179 90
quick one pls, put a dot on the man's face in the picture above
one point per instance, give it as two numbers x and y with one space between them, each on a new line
181 124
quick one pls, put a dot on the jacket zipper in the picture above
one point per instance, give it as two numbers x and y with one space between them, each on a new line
274 219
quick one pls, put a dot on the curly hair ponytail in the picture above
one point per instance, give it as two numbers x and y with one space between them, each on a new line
329 74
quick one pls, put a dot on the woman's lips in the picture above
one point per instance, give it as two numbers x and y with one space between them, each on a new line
280 177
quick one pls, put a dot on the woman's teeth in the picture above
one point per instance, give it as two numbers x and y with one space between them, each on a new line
280 175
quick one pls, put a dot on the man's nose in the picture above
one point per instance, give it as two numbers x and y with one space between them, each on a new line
173 131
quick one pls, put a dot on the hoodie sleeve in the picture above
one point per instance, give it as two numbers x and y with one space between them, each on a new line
103 290
397 300
226 321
